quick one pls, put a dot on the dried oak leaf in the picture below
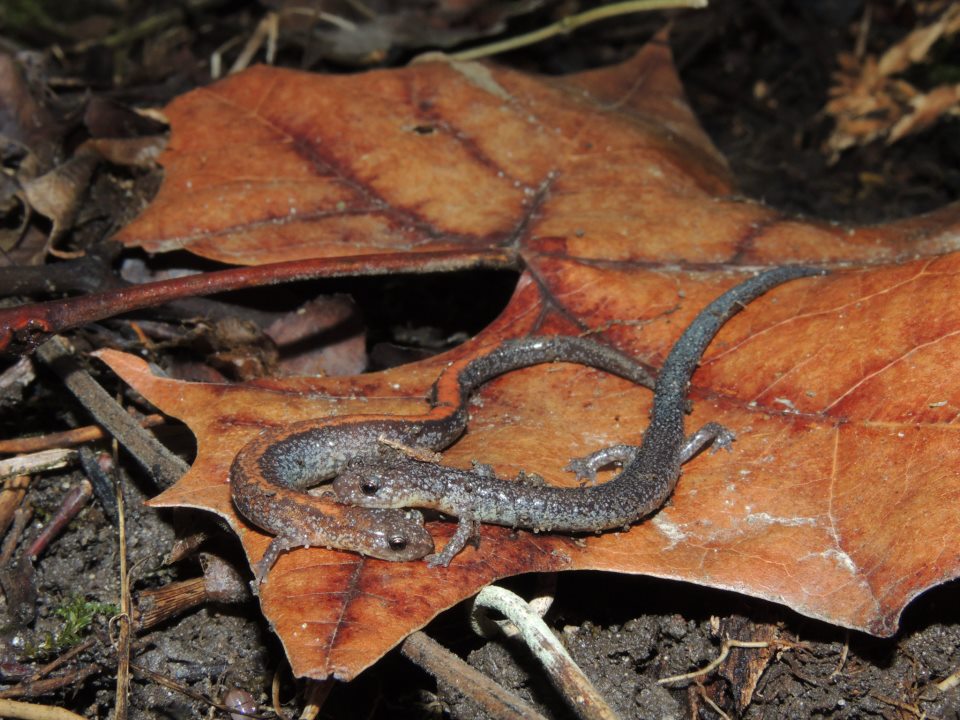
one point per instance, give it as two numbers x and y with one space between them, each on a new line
840 391
274 165
605 191
869 102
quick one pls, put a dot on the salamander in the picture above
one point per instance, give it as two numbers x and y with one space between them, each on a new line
648 475
269 475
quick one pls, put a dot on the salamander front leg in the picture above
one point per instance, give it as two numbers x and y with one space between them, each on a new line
586 467
468 530
712 432
278 545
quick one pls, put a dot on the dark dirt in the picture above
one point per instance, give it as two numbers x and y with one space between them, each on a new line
757 74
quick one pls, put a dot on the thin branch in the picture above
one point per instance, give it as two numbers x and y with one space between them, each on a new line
29 711
444 665
572 22
155 458
67 438
24 328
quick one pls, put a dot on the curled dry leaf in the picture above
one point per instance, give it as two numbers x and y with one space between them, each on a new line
869 102
840 496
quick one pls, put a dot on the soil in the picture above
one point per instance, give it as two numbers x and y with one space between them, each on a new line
757 75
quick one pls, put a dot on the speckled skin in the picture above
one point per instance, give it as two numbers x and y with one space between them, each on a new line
648 476
269 474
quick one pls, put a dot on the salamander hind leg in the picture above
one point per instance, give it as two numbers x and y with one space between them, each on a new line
586 467
713 434
468 530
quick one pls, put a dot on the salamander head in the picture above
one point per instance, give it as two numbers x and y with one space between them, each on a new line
396 535
382 484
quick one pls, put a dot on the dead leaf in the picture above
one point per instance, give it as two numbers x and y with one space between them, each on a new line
29 144
869 102
830 447
274 165
24 119
925 110
305 343
915 47
57 194
135 152
608 194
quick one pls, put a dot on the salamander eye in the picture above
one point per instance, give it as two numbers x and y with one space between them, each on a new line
369 486
398 543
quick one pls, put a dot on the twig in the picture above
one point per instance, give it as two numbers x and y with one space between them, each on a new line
568 678
67 438
155 458
275 695
29 711
724 651
487 628
712 704
123 620
25 327
21 518
36 462
148 27
949 682
72 503
42 687
220 583
14 490
176 687
447 667
266 29
914 710
317 692
100 470
63 659
843 655
572 22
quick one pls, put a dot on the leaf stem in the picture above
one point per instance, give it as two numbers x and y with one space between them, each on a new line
572 22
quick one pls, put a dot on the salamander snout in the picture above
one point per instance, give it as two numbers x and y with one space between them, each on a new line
401 535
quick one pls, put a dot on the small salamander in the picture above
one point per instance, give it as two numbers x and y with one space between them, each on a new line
649 472
270 473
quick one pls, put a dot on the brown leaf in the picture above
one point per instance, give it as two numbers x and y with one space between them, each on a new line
274 165
926 110
302 331
609 195
57 194
24 119
831 446
914 47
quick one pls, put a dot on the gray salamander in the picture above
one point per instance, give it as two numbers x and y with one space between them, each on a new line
648 476
269 474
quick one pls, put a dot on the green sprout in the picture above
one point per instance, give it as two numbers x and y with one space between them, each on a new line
77 614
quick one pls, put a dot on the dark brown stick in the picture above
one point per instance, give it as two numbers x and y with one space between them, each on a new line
444 665
155 458
24 328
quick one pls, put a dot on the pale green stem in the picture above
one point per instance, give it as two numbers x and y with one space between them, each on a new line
572 22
